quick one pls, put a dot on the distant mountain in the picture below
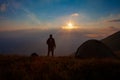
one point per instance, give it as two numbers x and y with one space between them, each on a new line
113 41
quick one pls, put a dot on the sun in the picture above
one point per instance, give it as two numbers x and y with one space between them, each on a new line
69 26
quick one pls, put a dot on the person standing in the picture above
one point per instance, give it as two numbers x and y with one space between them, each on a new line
51 45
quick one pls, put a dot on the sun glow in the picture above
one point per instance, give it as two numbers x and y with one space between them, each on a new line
69 26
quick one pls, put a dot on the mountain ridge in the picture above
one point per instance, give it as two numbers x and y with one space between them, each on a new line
113 41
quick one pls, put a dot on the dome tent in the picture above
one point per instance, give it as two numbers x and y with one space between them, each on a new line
93 49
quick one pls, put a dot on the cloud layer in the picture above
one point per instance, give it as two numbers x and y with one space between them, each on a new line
114 20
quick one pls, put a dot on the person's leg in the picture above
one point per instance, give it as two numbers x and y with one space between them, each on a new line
48 52
52 52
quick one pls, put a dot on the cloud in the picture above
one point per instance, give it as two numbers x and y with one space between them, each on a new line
93 35
112 29
75 14
111 18
102 32
3 7
114 20
32 17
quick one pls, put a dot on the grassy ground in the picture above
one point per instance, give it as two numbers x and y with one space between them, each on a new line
58 68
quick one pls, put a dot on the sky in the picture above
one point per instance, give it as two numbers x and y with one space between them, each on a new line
20 20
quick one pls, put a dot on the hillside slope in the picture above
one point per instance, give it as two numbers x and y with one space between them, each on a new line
113 41
58 68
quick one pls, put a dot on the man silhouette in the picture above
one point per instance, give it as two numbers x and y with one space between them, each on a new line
51 45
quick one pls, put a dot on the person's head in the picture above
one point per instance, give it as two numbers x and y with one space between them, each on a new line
50 35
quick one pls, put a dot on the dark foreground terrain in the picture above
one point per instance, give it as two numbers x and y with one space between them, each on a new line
58 68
